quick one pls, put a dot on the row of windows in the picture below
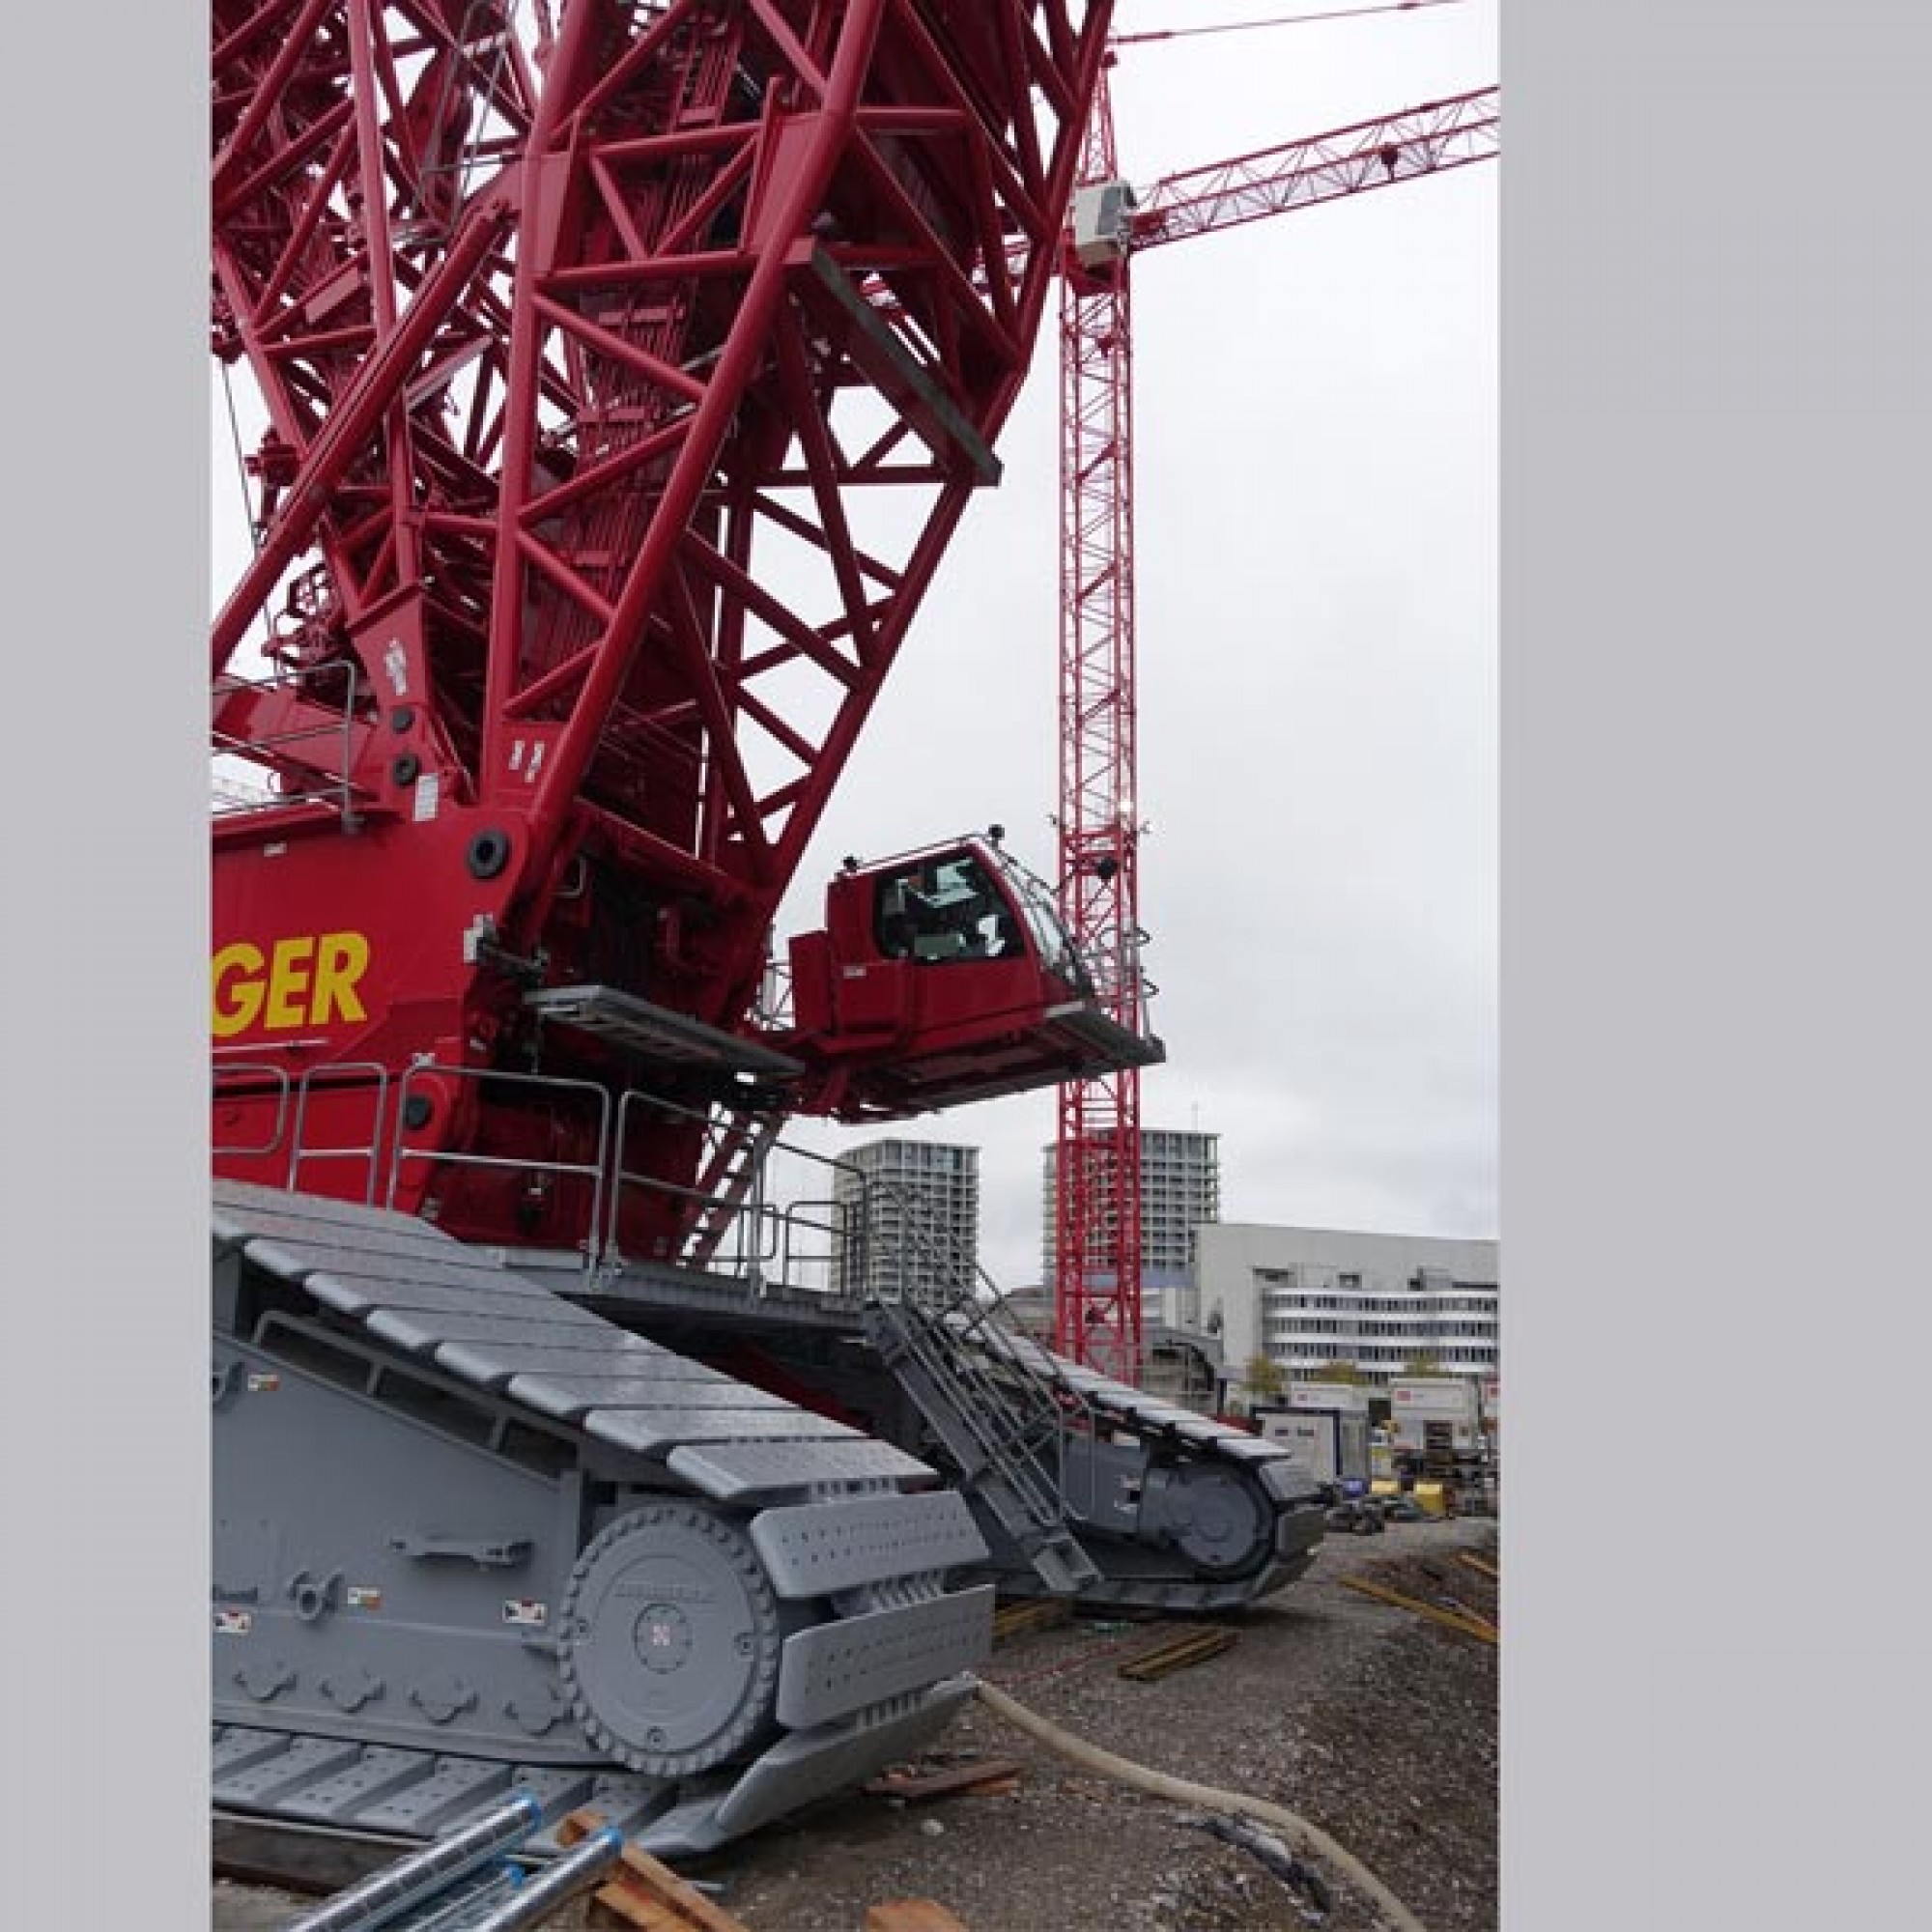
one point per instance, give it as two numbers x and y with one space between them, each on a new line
915 1155
1276 1306
1288 1334
1362 1316
1427 1281
1304 1355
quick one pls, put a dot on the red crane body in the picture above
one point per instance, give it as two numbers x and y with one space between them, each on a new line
623 393
624 386
1097 1152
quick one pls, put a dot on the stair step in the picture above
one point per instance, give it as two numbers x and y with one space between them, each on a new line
988 1433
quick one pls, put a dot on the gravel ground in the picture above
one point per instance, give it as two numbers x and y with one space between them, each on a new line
1376 1724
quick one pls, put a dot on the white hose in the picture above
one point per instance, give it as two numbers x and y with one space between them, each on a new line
1312 1840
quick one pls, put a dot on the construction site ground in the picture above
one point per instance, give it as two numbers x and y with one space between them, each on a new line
1375 1722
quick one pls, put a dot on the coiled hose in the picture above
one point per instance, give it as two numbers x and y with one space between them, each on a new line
1300 1834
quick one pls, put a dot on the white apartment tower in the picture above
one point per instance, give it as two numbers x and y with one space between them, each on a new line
907 1215
1181 1191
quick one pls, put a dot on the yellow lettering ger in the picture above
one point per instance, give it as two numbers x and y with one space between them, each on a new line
307 980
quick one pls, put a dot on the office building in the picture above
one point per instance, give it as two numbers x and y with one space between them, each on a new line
1313 1298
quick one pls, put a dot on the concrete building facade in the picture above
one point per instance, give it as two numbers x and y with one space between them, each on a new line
1310 1298
1181 1191
906 1215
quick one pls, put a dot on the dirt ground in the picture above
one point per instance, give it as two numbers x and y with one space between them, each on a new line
1376 1724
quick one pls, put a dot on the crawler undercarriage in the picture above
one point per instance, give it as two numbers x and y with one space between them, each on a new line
639 1537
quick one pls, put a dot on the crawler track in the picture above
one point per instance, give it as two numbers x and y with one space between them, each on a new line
1251 1523
471 1537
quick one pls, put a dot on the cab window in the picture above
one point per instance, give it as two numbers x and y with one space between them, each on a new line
943 910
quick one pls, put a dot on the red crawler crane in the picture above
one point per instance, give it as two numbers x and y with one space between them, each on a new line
1098 1155
561 347
623 390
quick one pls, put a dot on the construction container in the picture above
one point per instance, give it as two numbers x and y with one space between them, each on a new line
1331 1443
1348 1398
1452 1403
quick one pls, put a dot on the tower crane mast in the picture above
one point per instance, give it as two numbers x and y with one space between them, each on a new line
1097 1178
1097 1168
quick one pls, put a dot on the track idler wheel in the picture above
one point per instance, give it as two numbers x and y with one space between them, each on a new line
669 1642
1214 1516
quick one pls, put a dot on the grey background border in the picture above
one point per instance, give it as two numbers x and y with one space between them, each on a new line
1714 1042
1716 313
104 1616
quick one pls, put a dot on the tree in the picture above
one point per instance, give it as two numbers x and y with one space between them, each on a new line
1346 1372
1263 1376
1427 1363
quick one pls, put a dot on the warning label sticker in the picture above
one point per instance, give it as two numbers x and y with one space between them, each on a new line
524 1610
263 1382
233 1623
360 1596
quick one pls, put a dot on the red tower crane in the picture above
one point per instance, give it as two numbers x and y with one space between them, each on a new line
1097 1152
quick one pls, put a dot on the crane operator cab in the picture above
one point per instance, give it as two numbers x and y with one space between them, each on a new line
947 974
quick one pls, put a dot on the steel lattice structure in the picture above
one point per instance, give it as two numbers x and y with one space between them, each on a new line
1424 140
591 362
1098 1195
1098 1154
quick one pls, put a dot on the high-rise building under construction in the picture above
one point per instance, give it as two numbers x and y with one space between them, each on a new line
907 1217
1181 1190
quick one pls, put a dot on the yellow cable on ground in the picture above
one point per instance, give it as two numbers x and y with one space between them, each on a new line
1182 1791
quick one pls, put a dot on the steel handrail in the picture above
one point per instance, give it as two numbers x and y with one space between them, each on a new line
595 1171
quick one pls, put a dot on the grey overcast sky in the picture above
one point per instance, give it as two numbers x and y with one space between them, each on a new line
1316 465
1316 551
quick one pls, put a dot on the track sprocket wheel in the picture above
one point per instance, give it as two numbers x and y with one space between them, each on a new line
671 1635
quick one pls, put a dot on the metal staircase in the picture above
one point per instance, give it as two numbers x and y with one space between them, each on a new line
735 1160
999 1423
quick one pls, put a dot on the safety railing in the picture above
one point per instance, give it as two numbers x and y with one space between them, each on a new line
236 1081
1018 1414
748 1240
344 1076
541 1173
311 762
854 1237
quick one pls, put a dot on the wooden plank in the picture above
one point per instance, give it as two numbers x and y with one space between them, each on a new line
1469 1625
614 1906
917 1789
645 1894
298 1857
1178 1653
1042 1613
667 1903
1478 1564
911 1914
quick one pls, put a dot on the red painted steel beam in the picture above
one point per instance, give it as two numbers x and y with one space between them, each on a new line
1366 154
1098 1232
1097 1194
555 345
